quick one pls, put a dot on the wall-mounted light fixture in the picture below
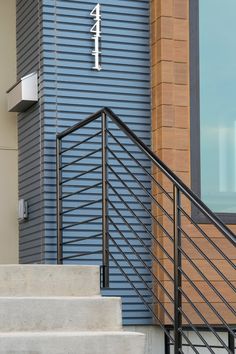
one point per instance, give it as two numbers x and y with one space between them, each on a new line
23 94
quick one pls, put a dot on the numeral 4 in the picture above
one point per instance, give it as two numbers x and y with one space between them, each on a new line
96 12
96 28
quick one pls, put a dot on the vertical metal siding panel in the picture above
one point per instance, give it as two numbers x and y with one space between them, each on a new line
72 90
29 135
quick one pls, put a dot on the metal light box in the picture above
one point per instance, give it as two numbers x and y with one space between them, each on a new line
23 94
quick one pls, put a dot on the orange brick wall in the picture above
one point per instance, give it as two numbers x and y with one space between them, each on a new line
170 84
171 142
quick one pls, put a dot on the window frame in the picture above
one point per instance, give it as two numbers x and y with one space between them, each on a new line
195 157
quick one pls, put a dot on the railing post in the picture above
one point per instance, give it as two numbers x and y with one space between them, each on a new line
59 201
231 343
177 271
167 344
105 225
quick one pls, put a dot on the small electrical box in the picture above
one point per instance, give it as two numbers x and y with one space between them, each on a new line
22 210
23 94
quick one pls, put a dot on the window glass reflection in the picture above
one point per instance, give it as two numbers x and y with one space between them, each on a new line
217 26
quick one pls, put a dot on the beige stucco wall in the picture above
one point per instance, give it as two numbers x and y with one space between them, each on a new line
8 137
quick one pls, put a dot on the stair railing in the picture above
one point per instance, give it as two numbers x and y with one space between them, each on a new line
190 289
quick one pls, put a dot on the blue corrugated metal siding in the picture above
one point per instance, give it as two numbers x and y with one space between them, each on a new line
72 91
29 134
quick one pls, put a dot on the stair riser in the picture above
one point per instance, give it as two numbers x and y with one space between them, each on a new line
49 280
122 343
60 314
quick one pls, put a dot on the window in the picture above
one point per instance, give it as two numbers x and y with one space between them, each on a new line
213 104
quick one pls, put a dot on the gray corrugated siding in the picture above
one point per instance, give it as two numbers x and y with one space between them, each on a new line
30 135
72 91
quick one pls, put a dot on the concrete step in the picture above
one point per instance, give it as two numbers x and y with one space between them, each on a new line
60 314
49 280
72 343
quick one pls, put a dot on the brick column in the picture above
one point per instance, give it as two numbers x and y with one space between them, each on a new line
170 84
170 114
171 142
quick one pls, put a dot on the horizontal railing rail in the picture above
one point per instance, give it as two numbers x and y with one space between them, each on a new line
154 158
145 229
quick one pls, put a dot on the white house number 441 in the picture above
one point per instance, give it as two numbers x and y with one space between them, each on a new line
96 30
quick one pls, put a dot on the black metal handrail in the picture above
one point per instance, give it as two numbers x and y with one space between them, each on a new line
155 159
111 235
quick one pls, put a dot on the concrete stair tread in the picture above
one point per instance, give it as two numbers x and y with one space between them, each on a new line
49 280
99 342
69 334
60 313
51 298
51 309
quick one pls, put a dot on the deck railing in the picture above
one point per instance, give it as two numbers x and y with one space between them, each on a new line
191 277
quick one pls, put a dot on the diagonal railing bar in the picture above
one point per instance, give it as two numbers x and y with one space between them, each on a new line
211 329
189 343
143 243
141 296
139 275
139 183
214 267
159 163
162 225
212 346
173 178
230 330
137 218
82 254
197 345
194 328
86 221
194 346
153 238
80 143
207 238
80 158
141 260
81 206
200 293
81 174
132 212
81 190
140 165
135 197
79 239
